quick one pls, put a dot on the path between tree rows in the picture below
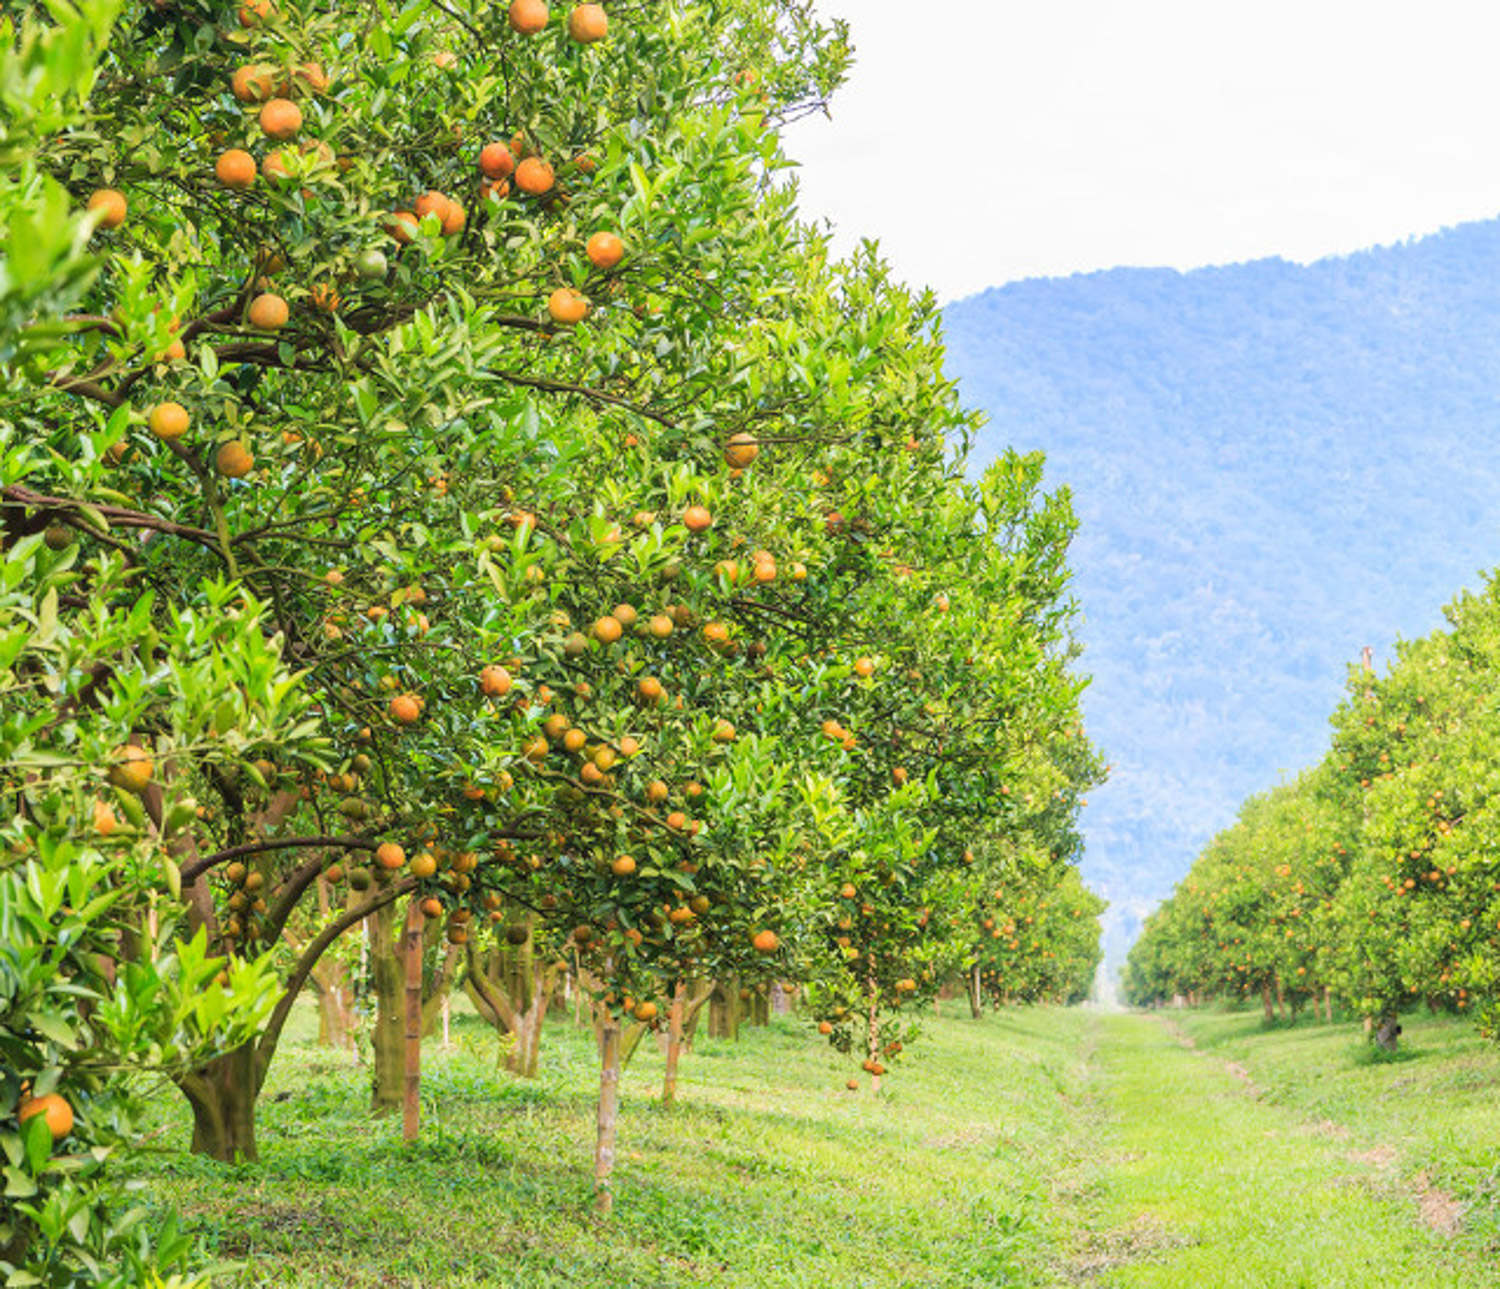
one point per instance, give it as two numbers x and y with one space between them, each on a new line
1185 1172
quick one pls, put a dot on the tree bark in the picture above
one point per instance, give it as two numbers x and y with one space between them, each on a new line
387 1043
222 1095
724 1010
872 993
976 995
1265 998
512 993
1388 1034
411 1101
609 1114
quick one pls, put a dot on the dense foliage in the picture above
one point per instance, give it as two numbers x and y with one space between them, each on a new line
452 494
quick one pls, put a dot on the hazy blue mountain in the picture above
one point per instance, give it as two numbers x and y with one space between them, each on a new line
1274 465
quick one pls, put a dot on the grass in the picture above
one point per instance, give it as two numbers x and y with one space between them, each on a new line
1034 1148
770 1173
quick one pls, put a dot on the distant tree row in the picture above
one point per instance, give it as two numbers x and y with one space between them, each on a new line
1373 879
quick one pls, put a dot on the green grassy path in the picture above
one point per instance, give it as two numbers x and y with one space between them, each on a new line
1203 1177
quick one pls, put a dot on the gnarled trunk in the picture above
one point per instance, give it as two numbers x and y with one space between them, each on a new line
222 1094
512 993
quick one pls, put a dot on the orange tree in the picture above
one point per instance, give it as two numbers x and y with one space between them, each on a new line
967 681
96 986
284 390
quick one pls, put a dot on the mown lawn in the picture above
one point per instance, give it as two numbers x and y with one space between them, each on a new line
769 1173
1035 1148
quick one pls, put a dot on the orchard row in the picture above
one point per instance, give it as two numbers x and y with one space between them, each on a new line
449 497
1371 879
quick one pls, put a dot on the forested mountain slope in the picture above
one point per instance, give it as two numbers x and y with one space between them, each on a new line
1274 465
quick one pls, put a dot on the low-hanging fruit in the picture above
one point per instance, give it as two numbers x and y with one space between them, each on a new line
496 161
233 460
112 206
269 312
567 307
527 16
235 169
605 250
765 941
168 420
132 769
534 177
406 709
54 1107
588 23
280 119
741 450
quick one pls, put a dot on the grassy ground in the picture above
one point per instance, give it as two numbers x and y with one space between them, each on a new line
770 1173
1039 1148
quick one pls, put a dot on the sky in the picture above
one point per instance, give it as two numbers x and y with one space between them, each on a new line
983 142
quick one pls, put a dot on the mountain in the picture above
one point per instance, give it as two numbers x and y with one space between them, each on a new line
1273 465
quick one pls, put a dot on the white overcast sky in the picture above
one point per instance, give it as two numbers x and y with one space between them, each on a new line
982 142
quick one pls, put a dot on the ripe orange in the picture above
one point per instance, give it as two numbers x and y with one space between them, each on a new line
660 626
494 189
254 11
280 119
251 83
389 856
312 76
645 1012
534 176
406 709
608 629
567 307
588 23
656 791
402 225
132 769
269 312
104 819
112 203
716 633
168 420
765 941
723 732
496 161
650 689
623 865
55 1107
233 460
825 1027
432 907
235 169
697 518
527 16
495 681
864 667
605 250
423 864
741 450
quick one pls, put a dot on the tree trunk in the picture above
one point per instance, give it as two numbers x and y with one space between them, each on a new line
872 994
222 1094
724 1009
609 1114
1265 998
387 1035
513 994
411 1100
335 1008
674 1045
976 995
1328 1003
1280 999
1389 1032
